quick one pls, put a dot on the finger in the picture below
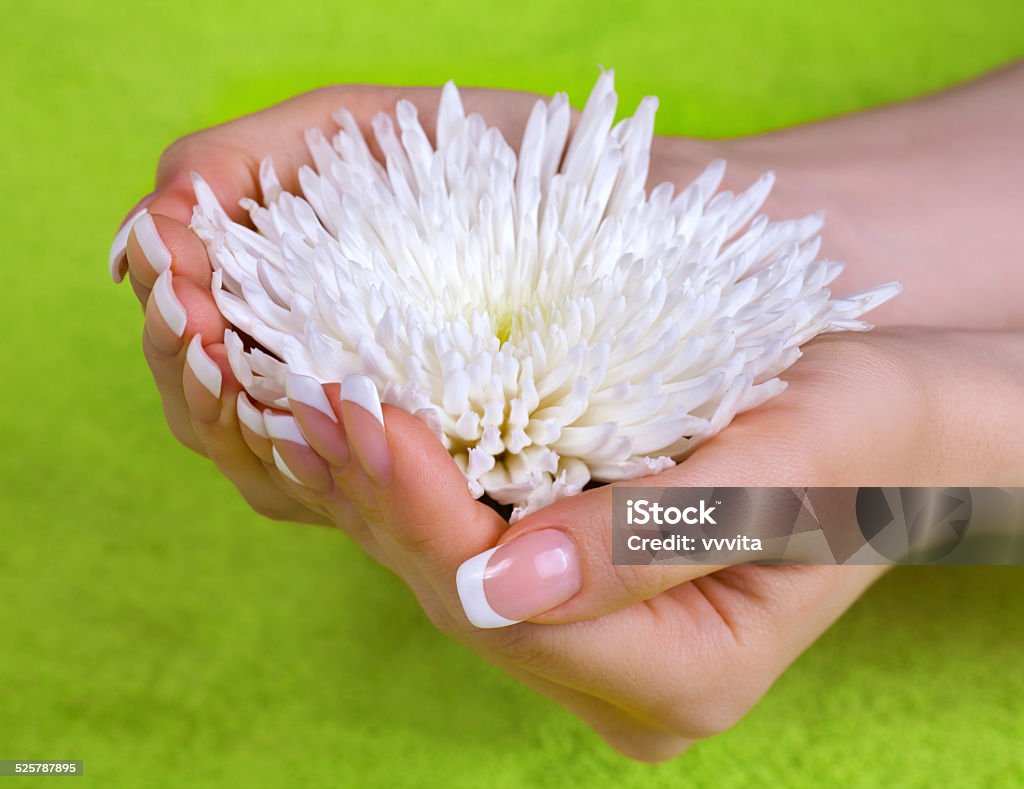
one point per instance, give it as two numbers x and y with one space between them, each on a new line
229 156
582 527
168 326
212 395
253 428
304 475
317 419
417 503
141 293
303 445
178 305
406 486
555 566
117 261
158 243
167 375
292 454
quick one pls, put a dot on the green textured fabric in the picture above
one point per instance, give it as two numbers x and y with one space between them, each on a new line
152 626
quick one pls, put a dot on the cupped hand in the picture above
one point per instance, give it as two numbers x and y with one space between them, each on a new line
652 657
170 271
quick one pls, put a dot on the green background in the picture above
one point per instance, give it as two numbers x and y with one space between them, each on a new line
152 626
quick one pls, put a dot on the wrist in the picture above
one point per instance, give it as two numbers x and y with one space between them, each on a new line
973 386
920 192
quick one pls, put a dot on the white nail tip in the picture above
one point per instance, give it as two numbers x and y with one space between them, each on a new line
360 390
153 247
167 304
469 579
203 367
283 467
308 391
283 427
118 248
250 416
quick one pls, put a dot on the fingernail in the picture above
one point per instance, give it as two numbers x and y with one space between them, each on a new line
153 248
317 420
360 390
519 579
283 467
167 304
293 455
204 402
250 416
118 261
364 426
283 427
254 432
308 391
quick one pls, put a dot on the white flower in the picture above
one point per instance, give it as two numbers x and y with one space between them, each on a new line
551 321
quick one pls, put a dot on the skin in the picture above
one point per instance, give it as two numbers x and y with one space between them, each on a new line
919 192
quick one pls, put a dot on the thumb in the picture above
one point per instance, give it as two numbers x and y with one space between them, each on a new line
555 566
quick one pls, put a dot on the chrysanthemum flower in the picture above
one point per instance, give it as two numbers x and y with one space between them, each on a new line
552 321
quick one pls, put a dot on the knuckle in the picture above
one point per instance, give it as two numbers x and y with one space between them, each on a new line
635 583
180 149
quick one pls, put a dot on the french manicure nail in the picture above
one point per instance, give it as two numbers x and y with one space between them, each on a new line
153 247
283 427
168 305
250 416
360 390
118 263
364 427
294 457
203 367
283 467
308 391
519 579
317 420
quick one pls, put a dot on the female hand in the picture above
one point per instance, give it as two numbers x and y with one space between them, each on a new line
892 210
753 606
653 657
155 240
